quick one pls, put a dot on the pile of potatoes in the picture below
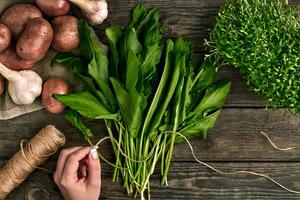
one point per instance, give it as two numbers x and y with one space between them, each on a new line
26 34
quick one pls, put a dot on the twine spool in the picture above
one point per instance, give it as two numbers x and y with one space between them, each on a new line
32 155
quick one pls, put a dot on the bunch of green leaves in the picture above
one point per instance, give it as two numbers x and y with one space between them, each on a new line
147 89
261 39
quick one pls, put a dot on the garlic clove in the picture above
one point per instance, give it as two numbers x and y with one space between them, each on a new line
24 86
95 11
26 93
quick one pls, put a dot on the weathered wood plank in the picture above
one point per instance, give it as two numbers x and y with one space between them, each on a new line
191 19
189 181
240 96
235 137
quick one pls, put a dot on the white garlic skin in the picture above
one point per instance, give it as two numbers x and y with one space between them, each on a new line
95 11
100 12
25 90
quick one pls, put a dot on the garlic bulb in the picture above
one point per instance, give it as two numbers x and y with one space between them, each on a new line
24 86
95 11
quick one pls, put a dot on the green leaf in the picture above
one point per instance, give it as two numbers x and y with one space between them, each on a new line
138 14
169 92
92 51
177 110
153 30
199 128
150 35
86 104
89 43
162 84
151 57
214 98
96 72
202 80
98 67
148 31
129 42
182 58
113 35
131 112
147 25
186 97
90 86
71 61
205 77
177 106
132 42
123 99
132 72
74 118
182 46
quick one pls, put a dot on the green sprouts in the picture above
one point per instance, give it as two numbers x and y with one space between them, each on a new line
261 39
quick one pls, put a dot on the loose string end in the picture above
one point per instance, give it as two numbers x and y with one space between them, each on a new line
274 145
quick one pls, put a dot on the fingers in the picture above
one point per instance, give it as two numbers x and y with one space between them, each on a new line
70 170
62 161
94 171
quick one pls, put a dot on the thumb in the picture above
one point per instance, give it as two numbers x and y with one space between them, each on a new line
94 169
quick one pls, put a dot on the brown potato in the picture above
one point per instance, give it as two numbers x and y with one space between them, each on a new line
5 37
54 8
2 84
50 87
16 17
66 36
10 59
35 40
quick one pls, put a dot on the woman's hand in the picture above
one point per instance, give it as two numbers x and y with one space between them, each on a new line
78 174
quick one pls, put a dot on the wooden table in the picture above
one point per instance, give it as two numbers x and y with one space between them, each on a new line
234 144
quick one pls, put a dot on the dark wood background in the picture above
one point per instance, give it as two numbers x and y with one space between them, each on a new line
234 144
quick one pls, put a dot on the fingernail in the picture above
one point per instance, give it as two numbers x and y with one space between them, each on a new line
94 153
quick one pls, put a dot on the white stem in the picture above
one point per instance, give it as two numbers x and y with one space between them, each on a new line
9 74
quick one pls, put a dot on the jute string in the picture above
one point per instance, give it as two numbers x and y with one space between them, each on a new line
32 154
233 173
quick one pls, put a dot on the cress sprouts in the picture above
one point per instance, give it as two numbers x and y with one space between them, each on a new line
261 39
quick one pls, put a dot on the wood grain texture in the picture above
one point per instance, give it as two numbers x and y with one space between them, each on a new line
187 181
235 137
234 143
191 19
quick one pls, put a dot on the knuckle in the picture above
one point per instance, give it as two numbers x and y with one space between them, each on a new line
64 183
64 153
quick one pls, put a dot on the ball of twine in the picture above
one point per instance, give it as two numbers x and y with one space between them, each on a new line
31 155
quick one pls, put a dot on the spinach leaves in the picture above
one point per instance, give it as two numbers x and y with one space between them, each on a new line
147 89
